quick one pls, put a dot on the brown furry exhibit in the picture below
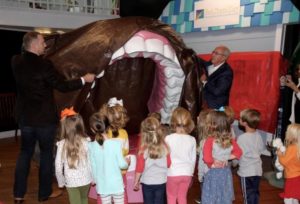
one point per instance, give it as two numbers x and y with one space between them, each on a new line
138 59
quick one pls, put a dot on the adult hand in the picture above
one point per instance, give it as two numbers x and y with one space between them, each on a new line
203 78
89 78
282 81
291 84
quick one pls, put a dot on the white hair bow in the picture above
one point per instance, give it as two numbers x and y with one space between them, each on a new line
114 101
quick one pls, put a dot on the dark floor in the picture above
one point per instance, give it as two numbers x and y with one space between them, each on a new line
9 149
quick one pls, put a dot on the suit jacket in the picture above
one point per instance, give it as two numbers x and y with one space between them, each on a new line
217 89
36 79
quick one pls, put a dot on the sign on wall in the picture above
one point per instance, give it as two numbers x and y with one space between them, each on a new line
209 13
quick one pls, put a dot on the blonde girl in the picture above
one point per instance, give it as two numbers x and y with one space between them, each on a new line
290 160
204 130
72 164
155 115
217 150
152 162
183 156
107 161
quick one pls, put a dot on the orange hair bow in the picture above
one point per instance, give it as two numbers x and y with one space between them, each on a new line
67 112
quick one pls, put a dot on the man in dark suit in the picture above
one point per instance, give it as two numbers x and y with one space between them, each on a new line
36 79
217 79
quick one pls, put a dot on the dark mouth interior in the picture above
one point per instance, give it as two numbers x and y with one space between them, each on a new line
133 85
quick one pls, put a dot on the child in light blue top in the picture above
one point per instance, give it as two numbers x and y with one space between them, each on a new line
107 161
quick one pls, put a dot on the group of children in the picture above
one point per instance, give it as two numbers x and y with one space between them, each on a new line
166 156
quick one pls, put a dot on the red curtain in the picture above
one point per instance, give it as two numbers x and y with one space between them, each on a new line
256 84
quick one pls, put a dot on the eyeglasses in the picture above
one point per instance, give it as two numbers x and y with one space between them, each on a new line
217 53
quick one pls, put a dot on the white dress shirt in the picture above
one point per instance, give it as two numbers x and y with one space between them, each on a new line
211 68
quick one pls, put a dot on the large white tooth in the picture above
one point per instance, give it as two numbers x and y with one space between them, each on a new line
173 93
169 104
176 61
165 116
170 72
167 63
148 54
169 52
155 45
174 82
166 113
158 57
133 54
174 97
120 52
135 44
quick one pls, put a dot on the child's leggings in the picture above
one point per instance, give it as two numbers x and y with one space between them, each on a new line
78 195
125 189
99 200
291 201
177 188
117 198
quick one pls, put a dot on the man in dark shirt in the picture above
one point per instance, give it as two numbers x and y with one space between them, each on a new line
36 79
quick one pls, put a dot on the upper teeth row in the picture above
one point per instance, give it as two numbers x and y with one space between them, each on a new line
164 55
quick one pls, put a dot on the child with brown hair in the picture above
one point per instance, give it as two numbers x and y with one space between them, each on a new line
218 149
152 162
291 163
250 164
183 156
72 163
117 118
107 161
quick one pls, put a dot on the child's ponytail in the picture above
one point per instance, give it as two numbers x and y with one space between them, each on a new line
98 124
152 138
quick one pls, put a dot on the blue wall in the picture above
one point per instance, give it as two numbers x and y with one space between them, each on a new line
180 14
